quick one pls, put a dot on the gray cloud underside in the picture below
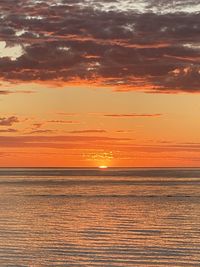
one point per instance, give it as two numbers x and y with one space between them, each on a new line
129 49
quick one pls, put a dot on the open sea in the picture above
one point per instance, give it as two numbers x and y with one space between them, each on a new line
106 218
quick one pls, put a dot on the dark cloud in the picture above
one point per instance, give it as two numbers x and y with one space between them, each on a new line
9 121
129 45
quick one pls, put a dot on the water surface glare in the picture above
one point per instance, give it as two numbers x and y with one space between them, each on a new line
88 217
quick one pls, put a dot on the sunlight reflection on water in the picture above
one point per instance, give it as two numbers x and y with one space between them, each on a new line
66 220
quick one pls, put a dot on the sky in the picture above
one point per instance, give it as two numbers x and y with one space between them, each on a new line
100 82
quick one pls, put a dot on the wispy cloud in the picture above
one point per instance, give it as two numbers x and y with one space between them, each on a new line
45 131
88 131
9 92
133 115
37 124
125 131
10 130
59 142
67 114
9 121
119 146
64 121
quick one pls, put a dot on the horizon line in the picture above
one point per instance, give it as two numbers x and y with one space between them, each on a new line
97 167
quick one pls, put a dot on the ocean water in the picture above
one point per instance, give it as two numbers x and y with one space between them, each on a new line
88 217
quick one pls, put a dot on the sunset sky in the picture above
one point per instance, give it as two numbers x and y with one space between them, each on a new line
99 82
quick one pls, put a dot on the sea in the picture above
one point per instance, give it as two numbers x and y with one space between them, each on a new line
77 217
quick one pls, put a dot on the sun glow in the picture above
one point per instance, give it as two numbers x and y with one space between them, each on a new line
103 167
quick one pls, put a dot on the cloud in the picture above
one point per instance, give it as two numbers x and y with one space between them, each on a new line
10 130
59 142
67 114
63 121
173 6
38 124
88 131
5 92
8 121
118 146
125 131
133 115
41 131
3 155
127 45
8 92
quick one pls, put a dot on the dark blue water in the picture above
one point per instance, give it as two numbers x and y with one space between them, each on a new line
91 217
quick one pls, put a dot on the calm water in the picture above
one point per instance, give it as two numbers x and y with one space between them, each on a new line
117 217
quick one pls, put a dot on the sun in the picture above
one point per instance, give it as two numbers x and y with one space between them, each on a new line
103 167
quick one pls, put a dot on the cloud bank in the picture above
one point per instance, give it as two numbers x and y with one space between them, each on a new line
152 46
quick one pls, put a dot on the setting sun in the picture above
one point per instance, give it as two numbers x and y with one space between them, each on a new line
103 167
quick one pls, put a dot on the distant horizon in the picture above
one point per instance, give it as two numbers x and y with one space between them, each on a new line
97 167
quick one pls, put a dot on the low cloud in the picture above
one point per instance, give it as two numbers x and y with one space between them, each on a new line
133 115
59 142
37 125
5 92
8 121
88 131
9 92
80 142
10 130
63 122
124 131
41 131
67 114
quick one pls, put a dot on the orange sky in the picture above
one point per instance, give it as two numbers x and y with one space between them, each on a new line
87 85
